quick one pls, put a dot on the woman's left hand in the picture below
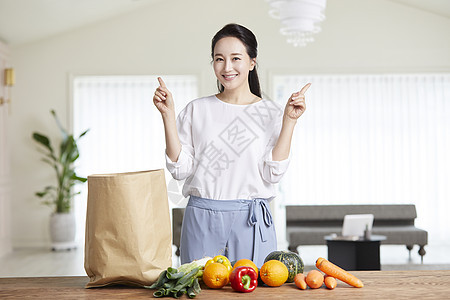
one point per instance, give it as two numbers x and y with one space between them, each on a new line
296 105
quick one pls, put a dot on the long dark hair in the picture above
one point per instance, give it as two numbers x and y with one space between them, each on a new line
249 40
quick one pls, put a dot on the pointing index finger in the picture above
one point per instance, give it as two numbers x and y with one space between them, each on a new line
161 82
305 88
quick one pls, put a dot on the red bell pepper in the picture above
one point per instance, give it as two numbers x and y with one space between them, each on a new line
244 279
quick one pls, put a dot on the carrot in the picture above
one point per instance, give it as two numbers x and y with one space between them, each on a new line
330 282
300 282
331 269
314 279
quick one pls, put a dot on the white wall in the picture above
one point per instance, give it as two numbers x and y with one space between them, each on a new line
5 165
173 37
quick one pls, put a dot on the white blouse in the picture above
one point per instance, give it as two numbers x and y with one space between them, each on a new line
226 149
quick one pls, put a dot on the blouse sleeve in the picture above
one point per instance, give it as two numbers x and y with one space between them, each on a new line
272 171
184 166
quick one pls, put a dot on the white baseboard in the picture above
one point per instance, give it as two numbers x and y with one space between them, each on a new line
31 243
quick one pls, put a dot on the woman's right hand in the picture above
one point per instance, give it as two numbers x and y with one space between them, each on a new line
163 99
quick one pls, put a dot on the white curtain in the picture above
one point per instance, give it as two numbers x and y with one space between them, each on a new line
126 132
372 139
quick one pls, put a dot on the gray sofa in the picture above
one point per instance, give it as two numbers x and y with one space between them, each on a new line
308 224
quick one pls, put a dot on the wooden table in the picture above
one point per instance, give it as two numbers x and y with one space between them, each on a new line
378 285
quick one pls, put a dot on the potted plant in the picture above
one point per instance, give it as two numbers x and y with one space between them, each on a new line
60 195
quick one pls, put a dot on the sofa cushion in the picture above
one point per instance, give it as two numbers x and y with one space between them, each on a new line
383 213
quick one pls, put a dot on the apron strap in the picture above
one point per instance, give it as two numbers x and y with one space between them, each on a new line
261 226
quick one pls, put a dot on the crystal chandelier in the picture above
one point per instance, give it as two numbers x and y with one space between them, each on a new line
300 19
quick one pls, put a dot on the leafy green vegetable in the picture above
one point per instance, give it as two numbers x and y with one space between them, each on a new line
177 282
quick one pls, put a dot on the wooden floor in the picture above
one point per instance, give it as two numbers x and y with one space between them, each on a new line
43 262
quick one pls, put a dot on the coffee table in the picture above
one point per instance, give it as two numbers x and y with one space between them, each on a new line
357 254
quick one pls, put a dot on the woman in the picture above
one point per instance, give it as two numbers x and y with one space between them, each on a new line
232 148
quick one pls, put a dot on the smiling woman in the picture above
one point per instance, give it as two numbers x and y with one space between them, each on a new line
231 149
234 52
233 67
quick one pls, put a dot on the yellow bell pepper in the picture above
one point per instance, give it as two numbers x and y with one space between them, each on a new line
221 260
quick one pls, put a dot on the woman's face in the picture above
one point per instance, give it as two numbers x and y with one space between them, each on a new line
232 63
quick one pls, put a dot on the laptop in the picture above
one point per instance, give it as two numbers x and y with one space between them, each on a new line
354 225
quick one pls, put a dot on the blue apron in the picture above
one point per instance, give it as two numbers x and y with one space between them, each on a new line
234 228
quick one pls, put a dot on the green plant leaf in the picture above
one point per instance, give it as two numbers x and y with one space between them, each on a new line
46 191
46 160
41 194
69 151
61 195
81 179
43 140
74 194
74 157
65 148
61 128
83 134
49 203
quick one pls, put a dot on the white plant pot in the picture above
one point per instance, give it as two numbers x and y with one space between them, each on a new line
62 231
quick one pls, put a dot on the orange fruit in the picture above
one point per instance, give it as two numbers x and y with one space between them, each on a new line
215 275
314 279
274 273
245 263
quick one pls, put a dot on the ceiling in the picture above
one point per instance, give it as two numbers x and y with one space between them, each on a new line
438 7
25 21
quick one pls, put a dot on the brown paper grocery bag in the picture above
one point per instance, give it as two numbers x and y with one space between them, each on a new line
128 230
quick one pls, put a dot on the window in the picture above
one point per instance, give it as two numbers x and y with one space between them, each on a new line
372 139
126 132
